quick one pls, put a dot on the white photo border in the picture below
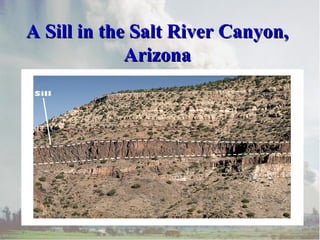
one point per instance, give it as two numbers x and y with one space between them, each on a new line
297 157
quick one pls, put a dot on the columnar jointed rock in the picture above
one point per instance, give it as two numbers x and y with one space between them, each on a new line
150 148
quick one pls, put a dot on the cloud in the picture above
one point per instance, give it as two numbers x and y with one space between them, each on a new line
310 175
311 188
205 53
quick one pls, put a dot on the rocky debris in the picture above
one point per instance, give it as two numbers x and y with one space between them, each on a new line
183 188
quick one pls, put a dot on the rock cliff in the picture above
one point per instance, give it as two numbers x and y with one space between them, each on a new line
153 149
247 108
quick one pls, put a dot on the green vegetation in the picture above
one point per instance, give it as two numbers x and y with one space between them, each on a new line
60 176
191 210
37 210
286 215
42 179
250 214
111 192
194 165
191 114
179 107
99 192
245 200
135 186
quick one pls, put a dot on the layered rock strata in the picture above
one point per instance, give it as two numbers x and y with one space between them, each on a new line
153 149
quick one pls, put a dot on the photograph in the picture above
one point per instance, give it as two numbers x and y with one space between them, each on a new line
162 146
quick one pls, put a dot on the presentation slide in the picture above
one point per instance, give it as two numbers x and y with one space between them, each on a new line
158 119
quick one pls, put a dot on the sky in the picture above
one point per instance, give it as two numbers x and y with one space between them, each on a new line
73 91
298 17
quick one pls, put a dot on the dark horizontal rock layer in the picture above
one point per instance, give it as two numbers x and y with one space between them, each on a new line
128 149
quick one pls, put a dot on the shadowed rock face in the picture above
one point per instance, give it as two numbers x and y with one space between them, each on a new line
128 149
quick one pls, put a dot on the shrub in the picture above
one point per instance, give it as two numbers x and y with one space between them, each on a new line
286 215
222 188
168 182
250 214
168 136
136 185
60 176
257 82
191 210
111 192
37 210
38 184
85 213
42 179
245 200
101 194
194 165
99 191
179 100
75 214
